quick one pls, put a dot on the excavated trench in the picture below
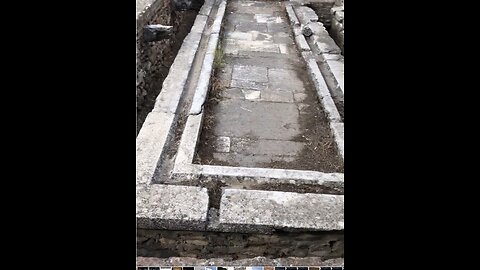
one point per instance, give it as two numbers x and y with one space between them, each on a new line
333 23
155 58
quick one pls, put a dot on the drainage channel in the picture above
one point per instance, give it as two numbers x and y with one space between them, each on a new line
154 59
329 80
330 39
167 160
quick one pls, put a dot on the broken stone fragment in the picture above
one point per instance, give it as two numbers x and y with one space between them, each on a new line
156 32
313 28
306 31
339 16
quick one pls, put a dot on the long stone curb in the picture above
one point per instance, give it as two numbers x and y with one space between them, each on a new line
159 123
254 211
336 124
201 91
174 84
161 206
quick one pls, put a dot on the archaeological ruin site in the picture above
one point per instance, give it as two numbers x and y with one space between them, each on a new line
240 132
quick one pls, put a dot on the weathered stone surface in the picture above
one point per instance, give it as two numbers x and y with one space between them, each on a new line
253 210
337 29
299 97
300 40
266 147
172 207
307 31
337 8
219 17
248 85
326 44
188 142
155 58
282 38
284 79
177 212
256 46
314 28
338 134
265 175
156 32
222 144
250 160
142 6
205 75
232 93
238 118
206 8
274 27
305 14
174 83
268 18
284 48
292 16
226 118
258 36
151 142
199 25
322 9
323 92
239 35
249 73
251 94
336 67
230 46
277 96
251 26
339 16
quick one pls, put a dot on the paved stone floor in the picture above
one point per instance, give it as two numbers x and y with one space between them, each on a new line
266 105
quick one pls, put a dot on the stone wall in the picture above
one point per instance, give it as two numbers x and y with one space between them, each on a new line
160 243
155 58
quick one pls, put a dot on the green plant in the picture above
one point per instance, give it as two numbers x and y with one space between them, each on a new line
218 59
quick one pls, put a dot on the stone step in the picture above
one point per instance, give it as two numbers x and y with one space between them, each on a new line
266 211
172 207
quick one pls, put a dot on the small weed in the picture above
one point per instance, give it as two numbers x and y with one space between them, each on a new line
218 60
